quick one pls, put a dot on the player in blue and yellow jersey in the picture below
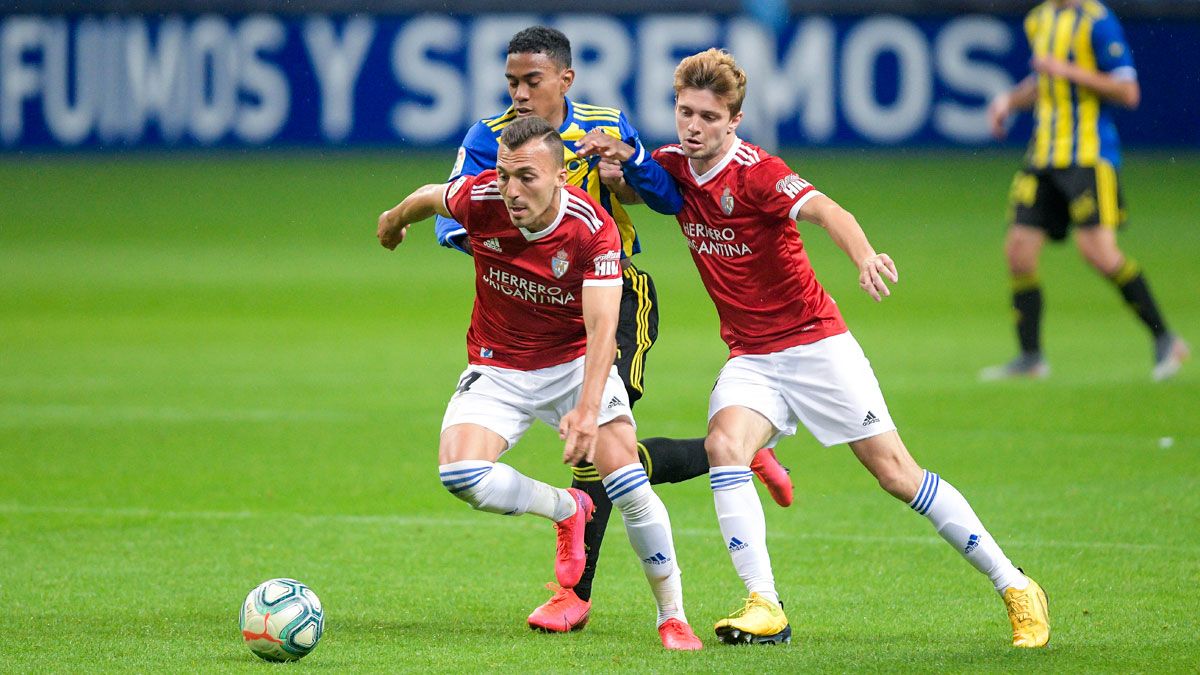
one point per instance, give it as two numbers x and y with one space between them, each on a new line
1082 68
538 69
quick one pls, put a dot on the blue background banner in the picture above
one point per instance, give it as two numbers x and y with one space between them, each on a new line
285 81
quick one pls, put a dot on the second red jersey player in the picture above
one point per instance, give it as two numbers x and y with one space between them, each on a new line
739 220
527 311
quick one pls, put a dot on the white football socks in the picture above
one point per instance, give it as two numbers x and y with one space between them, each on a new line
499 488
957 523
744 527
649 530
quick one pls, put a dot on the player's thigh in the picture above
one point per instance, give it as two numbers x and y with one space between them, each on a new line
735 433
487 399
1098 246
1022 247
830 386
616 445
747 388
465 441
1097 212
637 329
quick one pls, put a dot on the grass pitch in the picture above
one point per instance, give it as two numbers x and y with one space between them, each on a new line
211 374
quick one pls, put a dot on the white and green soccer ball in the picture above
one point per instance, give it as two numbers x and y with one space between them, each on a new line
281 620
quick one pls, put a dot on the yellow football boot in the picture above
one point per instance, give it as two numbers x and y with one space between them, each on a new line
759 621
1029 614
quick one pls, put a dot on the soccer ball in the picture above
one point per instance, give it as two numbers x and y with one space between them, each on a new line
281 620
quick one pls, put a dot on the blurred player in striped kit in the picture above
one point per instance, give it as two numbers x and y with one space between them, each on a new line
1082 67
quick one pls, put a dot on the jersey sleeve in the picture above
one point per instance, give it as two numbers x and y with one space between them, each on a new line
776 190
476 155
601 254
647 176
458 200
1111 49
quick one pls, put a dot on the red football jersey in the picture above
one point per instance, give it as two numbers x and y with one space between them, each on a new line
739 222
528 285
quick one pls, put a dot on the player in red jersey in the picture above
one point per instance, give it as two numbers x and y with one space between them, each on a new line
541 345
792 360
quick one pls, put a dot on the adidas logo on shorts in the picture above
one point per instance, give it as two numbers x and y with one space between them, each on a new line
870 418
614 403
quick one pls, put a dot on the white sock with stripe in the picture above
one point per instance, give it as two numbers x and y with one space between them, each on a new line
649 530
744 527
499 488
957 523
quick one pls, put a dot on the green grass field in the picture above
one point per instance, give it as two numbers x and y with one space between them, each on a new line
211 374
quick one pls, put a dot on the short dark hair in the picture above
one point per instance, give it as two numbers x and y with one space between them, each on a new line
542 40
524 129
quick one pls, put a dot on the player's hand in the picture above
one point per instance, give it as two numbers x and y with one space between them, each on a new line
579 429
596 142
998 111
873 271
391 231
611 173
1048 65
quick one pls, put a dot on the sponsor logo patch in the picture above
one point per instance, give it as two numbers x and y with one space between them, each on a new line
454 188
608 264
791 185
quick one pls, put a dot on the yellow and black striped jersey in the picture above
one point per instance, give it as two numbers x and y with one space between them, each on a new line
1073 126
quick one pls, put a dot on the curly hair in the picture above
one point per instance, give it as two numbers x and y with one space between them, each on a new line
542 40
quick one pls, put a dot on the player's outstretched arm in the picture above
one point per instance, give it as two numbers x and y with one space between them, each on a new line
426 201
652 182
601 307
843 228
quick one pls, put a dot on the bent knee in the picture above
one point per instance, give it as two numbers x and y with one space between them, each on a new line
723 449
898 484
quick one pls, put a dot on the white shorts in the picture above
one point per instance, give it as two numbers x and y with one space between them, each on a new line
828 385
507 401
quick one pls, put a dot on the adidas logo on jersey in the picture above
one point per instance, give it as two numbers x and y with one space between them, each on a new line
870 418
493 244
736 544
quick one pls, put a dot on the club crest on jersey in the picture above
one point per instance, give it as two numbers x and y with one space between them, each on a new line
727 201
559 264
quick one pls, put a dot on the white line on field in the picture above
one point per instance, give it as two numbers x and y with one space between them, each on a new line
474 520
